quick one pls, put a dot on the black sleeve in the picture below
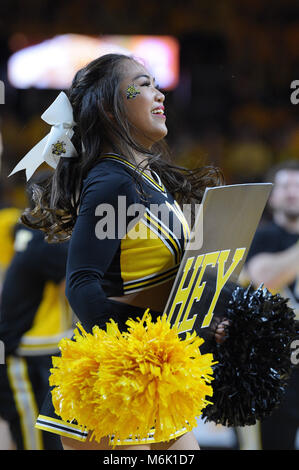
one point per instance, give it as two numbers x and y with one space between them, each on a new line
54 258
90 254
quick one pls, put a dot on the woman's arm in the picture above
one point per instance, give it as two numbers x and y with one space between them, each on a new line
90 252
274 270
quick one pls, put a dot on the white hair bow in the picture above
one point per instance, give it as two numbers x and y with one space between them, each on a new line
57 143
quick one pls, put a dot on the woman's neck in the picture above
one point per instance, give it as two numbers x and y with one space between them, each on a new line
137 158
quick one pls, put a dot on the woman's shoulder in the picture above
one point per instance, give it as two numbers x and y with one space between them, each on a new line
109 180
109 170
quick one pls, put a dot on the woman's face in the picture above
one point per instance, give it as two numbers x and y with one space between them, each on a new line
143 104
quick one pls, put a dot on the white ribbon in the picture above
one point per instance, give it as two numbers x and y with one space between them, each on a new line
57 143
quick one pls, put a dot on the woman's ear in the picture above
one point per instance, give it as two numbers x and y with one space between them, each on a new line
110 115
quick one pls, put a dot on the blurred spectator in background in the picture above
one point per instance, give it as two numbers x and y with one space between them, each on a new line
34 316
273 260
237 63
7 222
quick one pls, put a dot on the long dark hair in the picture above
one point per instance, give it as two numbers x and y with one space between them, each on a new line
95 97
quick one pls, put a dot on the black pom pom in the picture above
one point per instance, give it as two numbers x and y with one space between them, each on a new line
254 361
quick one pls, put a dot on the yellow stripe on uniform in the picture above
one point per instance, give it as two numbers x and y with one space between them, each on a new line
62 428
180 215
144 257
125 162
168 240
25 402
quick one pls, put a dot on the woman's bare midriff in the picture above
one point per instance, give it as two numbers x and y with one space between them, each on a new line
154 298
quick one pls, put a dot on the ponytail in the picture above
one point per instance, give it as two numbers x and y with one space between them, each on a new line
55 202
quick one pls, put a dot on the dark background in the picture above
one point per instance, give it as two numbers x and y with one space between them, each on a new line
232 106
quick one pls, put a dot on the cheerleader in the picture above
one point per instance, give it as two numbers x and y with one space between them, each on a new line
112 170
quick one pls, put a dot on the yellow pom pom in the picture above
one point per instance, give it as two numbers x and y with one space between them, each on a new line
125 384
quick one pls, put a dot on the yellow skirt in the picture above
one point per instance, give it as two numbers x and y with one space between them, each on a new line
72 430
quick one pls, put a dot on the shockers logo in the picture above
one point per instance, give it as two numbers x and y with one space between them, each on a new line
58 148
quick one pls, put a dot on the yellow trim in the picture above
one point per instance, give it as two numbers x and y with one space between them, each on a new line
32 438
60 432
128 441
152 255
36 345
178 211
162 188
60 422
167 234
148 440
154 279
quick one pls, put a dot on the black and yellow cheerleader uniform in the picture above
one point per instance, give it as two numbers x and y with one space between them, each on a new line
34 316
120 244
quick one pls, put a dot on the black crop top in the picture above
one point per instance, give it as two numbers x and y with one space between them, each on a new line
122 242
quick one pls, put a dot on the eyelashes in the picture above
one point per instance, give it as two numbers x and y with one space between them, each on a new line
149 84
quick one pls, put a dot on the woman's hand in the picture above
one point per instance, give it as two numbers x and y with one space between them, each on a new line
220 332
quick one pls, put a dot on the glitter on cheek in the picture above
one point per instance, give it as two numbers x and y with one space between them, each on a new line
132 92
